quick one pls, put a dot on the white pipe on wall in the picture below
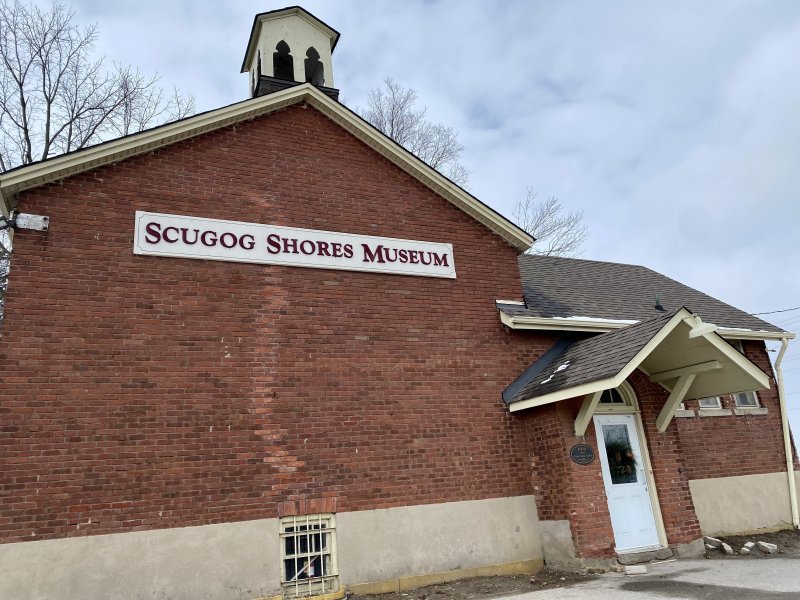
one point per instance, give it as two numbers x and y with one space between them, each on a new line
787 440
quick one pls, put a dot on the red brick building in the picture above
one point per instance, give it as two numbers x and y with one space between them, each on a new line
266 351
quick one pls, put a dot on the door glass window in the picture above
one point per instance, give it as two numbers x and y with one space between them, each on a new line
621 459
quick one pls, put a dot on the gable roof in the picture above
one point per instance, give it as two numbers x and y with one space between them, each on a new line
665 347
590 359
284 12
59 167
605 295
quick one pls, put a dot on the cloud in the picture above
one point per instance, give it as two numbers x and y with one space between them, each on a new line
675 127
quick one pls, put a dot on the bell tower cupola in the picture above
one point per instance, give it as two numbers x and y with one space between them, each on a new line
288 47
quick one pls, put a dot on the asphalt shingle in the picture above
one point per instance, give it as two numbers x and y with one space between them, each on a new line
570 287
591 359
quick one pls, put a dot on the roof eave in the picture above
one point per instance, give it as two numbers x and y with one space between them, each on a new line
548 324
60 167
712 337
730 333
411 164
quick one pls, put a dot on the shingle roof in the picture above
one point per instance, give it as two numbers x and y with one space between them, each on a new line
569 287
587 360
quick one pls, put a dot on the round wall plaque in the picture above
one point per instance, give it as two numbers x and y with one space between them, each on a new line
582 454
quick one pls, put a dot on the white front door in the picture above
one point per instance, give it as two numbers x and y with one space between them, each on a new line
625 482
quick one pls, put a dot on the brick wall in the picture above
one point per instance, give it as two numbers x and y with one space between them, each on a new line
730 445
577 492
143 392
668 460
690 448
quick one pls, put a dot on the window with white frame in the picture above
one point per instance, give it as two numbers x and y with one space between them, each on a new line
746 400
308 555
709 403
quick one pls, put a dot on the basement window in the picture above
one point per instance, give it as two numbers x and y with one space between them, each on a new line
709 403
308 555
746 400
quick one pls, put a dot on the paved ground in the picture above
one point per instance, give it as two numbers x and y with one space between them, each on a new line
716 577
775 578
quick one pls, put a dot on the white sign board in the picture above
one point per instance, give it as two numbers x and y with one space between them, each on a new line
211 239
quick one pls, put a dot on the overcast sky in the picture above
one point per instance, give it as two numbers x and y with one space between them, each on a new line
674 127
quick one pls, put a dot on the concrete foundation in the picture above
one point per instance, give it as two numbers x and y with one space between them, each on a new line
559 550
236 561
557 545
744 504
390 544
390 549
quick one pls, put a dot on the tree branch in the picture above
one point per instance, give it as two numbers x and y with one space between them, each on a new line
557 232
391 110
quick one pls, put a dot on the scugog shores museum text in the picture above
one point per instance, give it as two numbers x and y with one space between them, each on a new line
277 245
191 237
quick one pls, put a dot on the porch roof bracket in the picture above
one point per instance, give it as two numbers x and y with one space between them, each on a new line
674 401
585 413
711 365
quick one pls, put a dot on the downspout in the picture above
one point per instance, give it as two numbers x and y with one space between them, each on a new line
787 440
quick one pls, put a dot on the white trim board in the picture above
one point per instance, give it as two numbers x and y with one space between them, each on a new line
613 382
588 324
53 169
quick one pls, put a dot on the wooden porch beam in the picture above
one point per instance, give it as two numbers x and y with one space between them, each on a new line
711 365
585 413
674 401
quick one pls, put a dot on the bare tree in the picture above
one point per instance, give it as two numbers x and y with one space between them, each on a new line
557 232
392 109
56 96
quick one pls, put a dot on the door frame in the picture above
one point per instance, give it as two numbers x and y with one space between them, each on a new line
631 407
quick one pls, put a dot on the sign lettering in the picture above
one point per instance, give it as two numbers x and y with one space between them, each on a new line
211 239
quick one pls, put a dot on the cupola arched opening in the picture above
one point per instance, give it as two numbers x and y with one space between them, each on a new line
315 72
282 62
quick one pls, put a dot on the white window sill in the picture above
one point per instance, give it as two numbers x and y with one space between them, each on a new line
684 413
755 410
714 412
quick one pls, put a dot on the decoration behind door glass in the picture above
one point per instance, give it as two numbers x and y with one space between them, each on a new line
621 459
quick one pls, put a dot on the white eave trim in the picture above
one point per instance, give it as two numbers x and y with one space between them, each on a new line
609 383
412 165
119 149
112 151
606 325
563 324
613 382
731 333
